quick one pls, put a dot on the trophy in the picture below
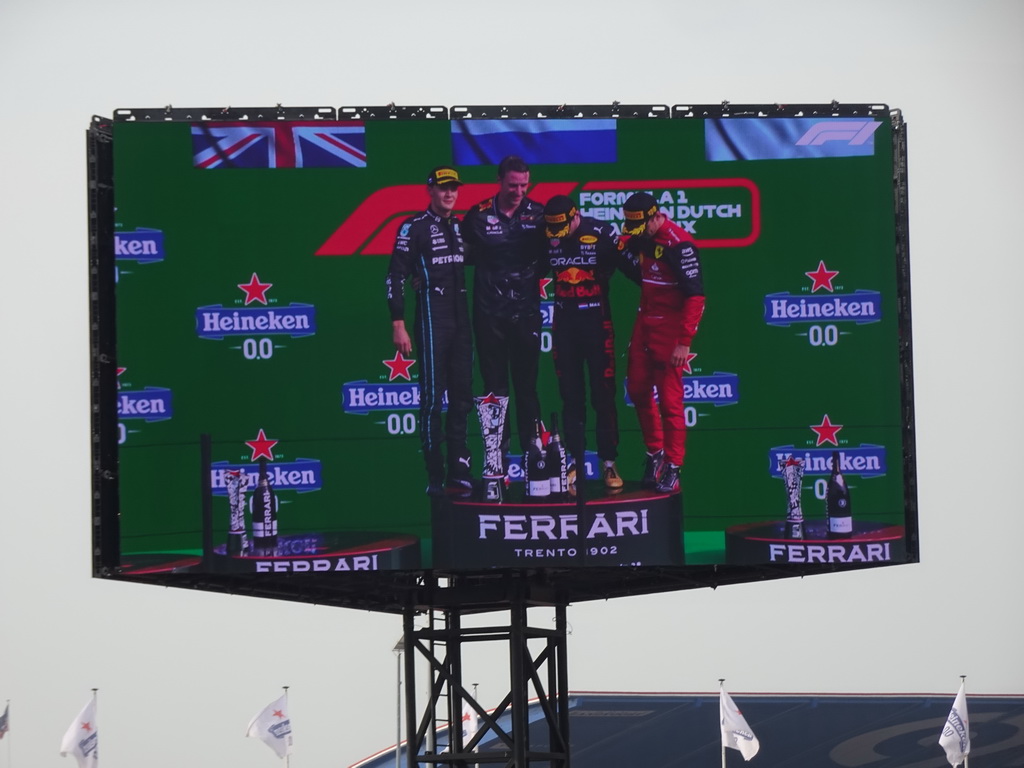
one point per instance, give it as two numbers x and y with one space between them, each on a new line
792 476
236 481
492 410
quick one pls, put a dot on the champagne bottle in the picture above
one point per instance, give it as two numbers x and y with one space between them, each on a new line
264 514
556 461
838 513
538 480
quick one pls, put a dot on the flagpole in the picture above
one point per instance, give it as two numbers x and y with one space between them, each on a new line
96 719
398 650
288 756
7 711
963 682
721 686
477 700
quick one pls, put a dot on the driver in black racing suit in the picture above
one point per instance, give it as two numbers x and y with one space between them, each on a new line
430 250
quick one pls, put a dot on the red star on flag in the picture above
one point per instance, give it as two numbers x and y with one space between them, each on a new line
262 446
399 367
826 431
686 362
822 277
255 290
544 283
278 713
86 726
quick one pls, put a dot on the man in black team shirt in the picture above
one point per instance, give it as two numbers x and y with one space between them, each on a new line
429 249
505 244
583 255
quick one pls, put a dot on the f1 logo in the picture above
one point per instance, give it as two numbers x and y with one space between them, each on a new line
853 132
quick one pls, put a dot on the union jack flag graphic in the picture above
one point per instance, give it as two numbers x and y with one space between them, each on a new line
313 144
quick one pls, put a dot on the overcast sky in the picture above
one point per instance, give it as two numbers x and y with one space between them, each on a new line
181 673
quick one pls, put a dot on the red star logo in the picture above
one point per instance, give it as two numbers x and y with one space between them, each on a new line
255 290
399 367
544 283
686 362
490 399
826 431
119 372
86 726
278 713
822 277
465 717
262 446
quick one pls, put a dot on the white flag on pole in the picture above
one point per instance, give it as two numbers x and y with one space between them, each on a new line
956 733
470 722
82 738
274 727
736 734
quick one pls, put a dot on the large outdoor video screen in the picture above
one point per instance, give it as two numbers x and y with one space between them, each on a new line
267 425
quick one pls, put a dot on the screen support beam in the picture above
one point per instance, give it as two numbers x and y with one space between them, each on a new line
538 669
106 532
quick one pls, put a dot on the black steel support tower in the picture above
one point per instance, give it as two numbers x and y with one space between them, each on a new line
537 661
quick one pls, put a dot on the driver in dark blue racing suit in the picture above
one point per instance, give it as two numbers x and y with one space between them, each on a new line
583 256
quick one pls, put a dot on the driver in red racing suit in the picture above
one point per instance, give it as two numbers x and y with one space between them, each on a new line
671 305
